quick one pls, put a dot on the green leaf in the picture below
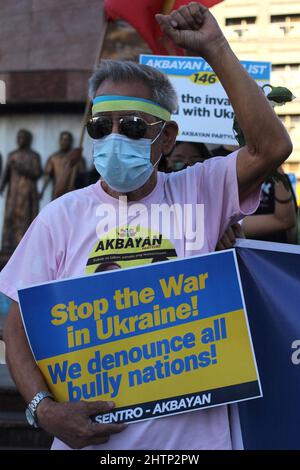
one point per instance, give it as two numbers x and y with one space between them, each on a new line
279 94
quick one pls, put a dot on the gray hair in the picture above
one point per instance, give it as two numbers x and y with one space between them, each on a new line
162 91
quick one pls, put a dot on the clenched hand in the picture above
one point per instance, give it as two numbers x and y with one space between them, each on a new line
192 27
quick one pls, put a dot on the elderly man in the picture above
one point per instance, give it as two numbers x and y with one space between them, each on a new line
132 105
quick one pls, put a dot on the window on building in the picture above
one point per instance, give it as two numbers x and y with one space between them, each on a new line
292 167
241 26
240 21
285 67
278 67
286 24
295 118
293 18
291 121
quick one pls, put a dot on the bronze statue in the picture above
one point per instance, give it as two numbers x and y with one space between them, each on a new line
57 166
23 168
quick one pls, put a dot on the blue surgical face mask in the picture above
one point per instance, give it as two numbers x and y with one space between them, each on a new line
122 162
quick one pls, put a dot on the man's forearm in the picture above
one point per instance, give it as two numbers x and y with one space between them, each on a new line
264 133
70 422
20 361
284 205
264 225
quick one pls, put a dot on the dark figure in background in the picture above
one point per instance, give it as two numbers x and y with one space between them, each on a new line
56 167
276 217
187 154
86 178
22 171
223 150
75 170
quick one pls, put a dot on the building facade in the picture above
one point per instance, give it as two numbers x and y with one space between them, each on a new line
269 30
48 50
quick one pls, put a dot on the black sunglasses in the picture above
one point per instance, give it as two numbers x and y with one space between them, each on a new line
133 127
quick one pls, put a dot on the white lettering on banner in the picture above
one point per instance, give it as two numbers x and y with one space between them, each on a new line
200 65
177 64
168 406
296 354
255 68
182 403
120 415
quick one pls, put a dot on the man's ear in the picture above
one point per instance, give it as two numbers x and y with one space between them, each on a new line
169 137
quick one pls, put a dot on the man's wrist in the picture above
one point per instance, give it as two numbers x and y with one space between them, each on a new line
216 50
43 409
212 51
32 407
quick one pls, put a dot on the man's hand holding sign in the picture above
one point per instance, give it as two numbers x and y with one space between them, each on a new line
192 27
156 339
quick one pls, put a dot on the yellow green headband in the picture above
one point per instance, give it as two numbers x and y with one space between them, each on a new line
129 103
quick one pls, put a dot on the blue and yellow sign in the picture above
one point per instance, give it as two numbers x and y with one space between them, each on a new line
204 111
158 339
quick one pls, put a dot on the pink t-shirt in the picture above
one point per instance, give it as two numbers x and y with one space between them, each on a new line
80 233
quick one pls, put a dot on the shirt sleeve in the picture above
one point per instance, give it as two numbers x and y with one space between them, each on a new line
218 191
33 261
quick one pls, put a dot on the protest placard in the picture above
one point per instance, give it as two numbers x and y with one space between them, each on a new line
204 113
159 339
270 274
